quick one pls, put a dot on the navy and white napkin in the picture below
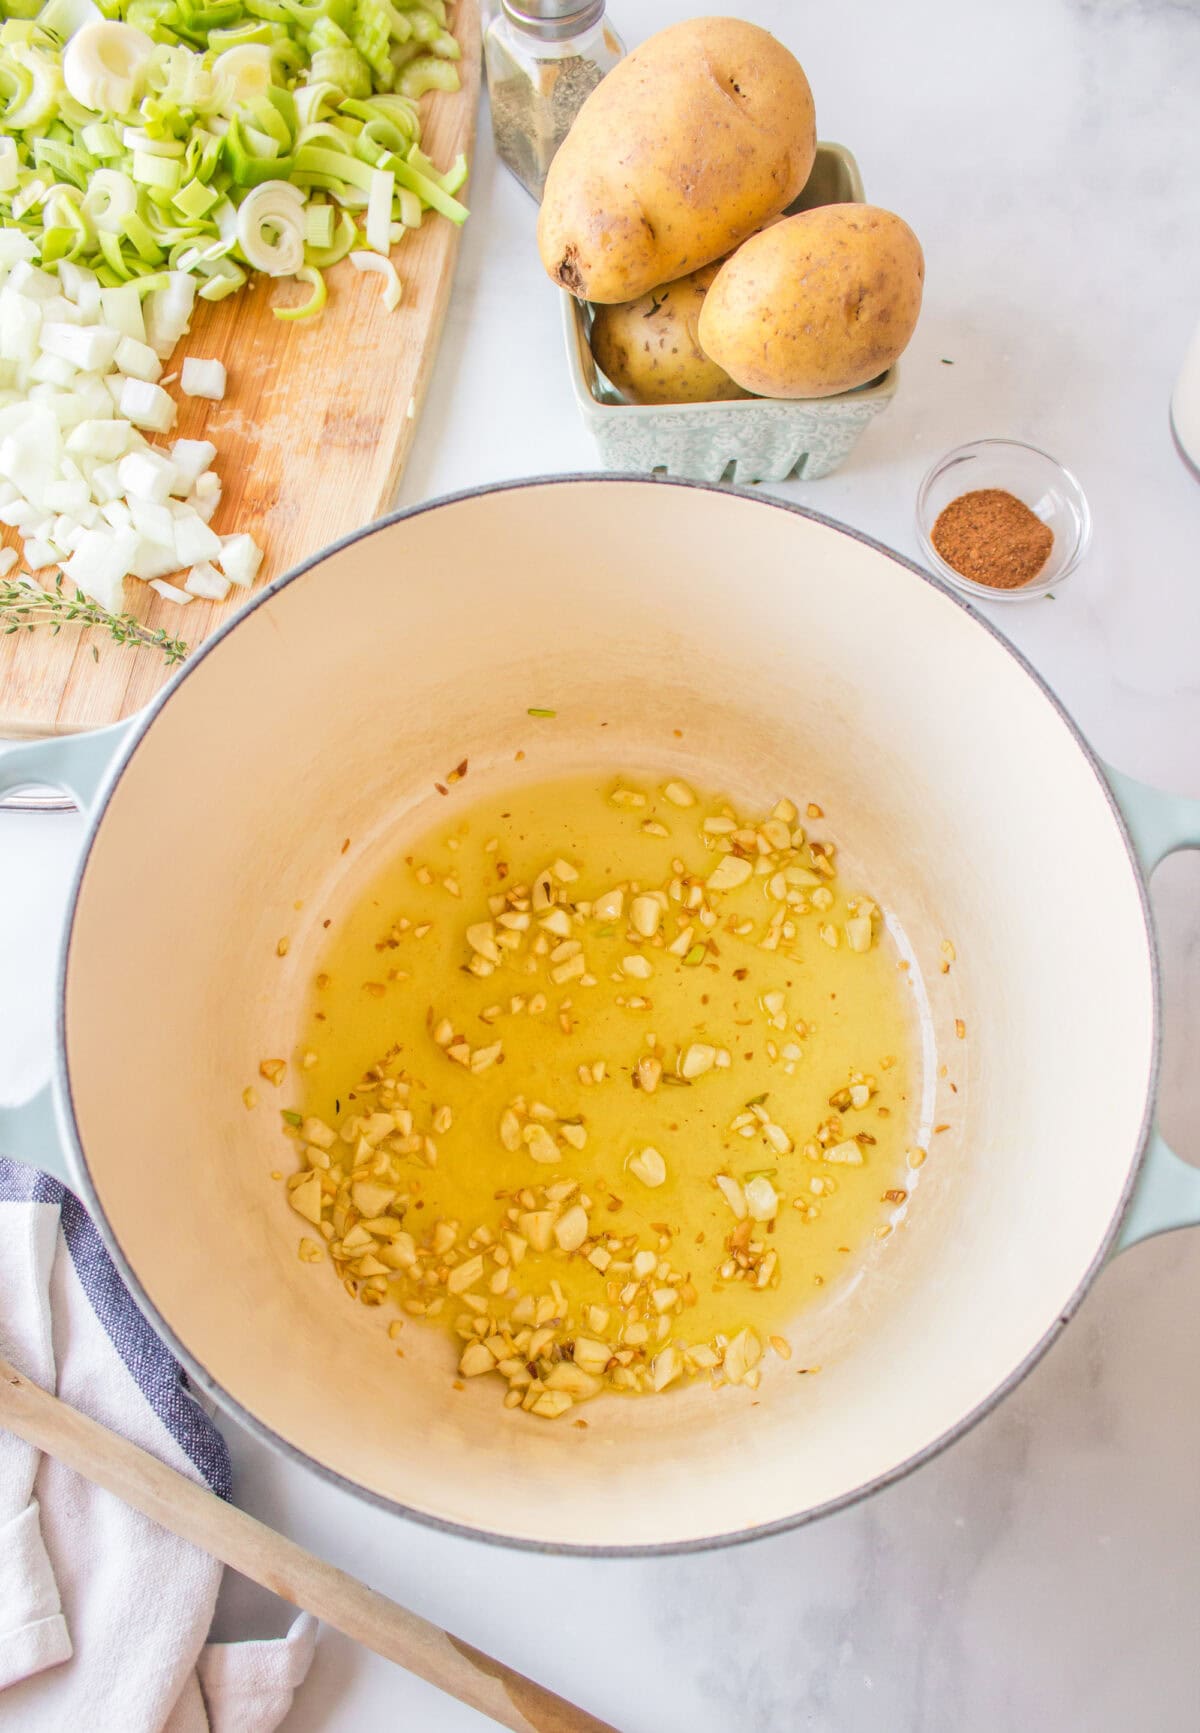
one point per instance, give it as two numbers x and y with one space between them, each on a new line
104 1616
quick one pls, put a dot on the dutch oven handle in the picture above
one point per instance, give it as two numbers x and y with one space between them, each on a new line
1167 1191
77 765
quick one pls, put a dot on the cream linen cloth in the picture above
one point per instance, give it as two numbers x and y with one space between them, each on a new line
104 1616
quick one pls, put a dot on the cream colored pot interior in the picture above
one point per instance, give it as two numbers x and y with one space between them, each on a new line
792 657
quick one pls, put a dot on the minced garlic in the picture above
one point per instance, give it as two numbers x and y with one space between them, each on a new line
600 1143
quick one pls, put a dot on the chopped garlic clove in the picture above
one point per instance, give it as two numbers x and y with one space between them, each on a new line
732 1192
648 1166
609 906
571 1229
305 1198
698 1058
730 871
645 914
540 1144
742 1353
848 1153
762 1200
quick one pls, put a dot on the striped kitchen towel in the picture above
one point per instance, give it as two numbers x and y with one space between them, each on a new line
104 1616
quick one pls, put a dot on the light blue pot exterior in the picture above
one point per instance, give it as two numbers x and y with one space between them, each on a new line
1167 1194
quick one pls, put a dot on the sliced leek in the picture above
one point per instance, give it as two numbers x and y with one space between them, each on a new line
305 309
102 64
383 268
271 228
136 147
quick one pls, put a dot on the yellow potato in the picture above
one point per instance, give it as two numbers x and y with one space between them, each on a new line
818 304
690 144
650 349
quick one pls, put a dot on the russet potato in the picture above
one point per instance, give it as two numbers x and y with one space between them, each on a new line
690 144
650 348
819 303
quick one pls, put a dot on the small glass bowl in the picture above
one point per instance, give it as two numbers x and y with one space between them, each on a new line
1048 489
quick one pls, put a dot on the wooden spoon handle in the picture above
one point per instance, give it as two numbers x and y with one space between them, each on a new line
258 1552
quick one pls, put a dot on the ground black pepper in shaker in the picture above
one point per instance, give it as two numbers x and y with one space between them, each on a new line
544 58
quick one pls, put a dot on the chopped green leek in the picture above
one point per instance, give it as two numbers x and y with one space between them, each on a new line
428 72
138 232
156 171
99 139
344 238
222 283
455 177
318 225
428 191
158 188
306 309
195 200
312 159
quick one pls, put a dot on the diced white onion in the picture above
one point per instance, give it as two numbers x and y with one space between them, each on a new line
81 286
203 378
137 360
167 312
68 495
52 370
191 458
106 483
240 559
206 581
147 405
39 554
170 591
122 309
205 504
195 543
35 285
147 475
68 536
151 560
105 440
80 367
154 523
91 348
99 564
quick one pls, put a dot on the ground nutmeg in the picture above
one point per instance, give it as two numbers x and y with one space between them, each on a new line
993 538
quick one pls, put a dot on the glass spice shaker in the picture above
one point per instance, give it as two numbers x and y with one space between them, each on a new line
544 58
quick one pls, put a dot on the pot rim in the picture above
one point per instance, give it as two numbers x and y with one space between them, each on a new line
204 1380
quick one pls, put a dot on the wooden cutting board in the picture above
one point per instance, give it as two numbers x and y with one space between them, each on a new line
311 437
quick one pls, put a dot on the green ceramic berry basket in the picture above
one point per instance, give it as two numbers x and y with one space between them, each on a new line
749 439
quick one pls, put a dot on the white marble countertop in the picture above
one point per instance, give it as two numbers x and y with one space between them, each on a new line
1045 1573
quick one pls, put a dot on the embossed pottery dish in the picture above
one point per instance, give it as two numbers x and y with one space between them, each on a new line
750 439
770 651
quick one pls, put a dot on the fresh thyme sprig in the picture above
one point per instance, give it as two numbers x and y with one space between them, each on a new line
24 607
